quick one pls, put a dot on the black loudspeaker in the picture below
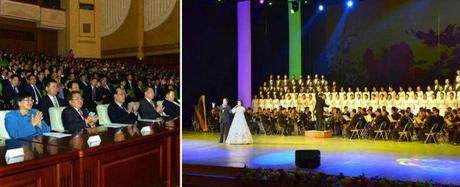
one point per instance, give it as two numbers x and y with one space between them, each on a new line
307 158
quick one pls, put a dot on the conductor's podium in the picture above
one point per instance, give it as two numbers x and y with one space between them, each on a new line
318 134
125 156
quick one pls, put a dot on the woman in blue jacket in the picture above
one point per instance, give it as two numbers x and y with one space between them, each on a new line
25 121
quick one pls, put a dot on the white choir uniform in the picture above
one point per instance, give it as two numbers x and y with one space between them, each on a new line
453 103
440 104
419 94
374 103
432 103
276 103
429 93
366 103
425 103
411 94
255 104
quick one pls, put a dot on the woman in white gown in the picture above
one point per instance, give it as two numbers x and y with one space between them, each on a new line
239 131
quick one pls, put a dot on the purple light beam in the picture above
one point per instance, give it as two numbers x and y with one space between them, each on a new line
244 52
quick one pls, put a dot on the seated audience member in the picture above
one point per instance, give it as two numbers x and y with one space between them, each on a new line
50 100
25 121
118 112
148 109
33 90
75 118
171 107
72 86
11 90
91 95
106 91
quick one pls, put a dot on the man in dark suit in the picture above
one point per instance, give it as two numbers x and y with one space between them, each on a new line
11 90
319 111
224 120
171 106
106 91
75 117
84 84
118 112
147 106
33 90
50 100
91 95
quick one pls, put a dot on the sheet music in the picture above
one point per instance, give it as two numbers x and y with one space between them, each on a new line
117 125
149 120
56 134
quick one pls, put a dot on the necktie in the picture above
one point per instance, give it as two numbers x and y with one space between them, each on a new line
35 95
81 114
93 94
38 91
123 107
16 89
55 102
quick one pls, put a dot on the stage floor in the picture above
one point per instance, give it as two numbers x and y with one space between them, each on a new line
396 160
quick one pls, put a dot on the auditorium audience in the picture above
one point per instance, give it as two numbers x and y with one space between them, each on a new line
51 79
25 121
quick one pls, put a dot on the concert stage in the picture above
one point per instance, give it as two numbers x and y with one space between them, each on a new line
401 161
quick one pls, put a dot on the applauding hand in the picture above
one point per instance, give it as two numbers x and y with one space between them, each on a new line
37 119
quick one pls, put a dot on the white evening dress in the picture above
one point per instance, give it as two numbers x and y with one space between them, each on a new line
239 132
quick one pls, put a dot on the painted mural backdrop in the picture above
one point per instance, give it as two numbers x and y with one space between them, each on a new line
386 42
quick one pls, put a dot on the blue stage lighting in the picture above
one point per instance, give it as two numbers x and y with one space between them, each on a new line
320 7
350 3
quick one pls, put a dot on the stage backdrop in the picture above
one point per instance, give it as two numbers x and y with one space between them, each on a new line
391 42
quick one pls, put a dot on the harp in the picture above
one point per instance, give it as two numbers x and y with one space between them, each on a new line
200 113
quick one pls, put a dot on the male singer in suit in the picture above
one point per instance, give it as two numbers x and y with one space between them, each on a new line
224 120
319 110
147 106
118 112
50 100
75 117
171 106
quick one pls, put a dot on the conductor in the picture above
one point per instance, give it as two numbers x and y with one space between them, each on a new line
319 111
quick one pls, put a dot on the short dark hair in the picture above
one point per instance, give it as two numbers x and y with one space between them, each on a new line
14 76
69 85
30 76
71 94
21 96
49 83
147 88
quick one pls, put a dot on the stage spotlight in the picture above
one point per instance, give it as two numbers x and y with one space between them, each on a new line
295 6
270 3
320 7
350 3
261 2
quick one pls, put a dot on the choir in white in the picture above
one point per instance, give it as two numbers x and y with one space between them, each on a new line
299 94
